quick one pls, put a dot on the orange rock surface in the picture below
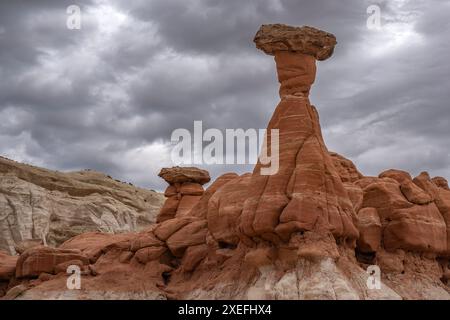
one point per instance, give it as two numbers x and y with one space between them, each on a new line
184 190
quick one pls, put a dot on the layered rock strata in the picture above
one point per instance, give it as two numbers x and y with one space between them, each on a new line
184 191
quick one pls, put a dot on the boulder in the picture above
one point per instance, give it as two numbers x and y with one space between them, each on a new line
398 175
184 192
260 257
419 228
95 244
225 208
441 198
414 194
51 207
191 189
38 260
191 234
200 210
63 267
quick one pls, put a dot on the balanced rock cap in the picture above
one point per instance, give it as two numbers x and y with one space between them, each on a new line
271 38
184 174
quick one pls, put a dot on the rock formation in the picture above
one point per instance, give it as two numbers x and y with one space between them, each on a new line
51 207
278 38
184 191
306 193
7 270
409 215
309 231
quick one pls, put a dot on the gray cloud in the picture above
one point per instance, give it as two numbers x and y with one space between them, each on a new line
108 96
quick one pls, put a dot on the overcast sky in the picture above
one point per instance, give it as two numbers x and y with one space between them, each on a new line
107 97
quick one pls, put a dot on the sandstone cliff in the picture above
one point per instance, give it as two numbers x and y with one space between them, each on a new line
53 207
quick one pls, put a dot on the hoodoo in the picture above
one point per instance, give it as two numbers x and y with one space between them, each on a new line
184 190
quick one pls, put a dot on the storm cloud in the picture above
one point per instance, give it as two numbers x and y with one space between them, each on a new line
108 96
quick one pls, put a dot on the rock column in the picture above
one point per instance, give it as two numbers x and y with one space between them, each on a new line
306 194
